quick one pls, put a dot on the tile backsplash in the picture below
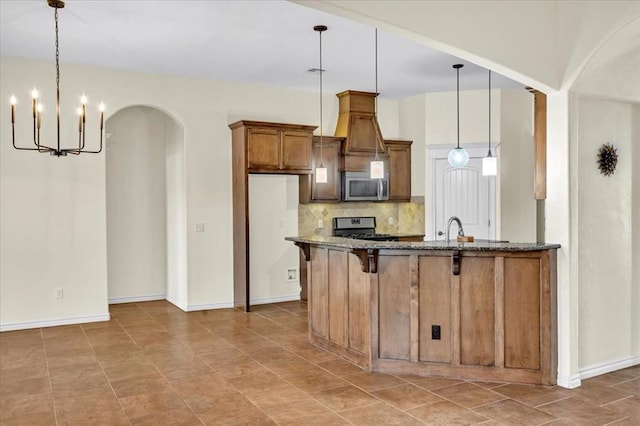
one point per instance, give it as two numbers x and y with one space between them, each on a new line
408 218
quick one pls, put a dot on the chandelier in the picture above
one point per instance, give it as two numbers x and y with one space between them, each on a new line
36 108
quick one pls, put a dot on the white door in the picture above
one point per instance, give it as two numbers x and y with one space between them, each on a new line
464 193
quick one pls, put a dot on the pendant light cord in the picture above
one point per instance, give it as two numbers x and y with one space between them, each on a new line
57 77
458 103
490 114
321 71
376 103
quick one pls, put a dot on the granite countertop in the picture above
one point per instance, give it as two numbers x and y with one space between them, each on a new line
421 245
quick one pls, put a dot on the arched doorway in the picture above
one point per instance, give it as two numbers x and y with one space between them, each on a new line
146 205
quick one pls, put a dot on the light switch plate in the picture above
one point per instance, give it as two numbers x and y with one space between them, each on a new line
199 226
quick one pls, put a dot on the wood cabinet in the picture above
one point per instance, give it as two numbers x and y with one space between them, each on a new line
329 156
260 147
278 149
412 314
399 153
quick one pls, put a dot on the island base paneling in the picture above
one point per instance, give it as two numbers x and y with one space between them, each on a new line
495 320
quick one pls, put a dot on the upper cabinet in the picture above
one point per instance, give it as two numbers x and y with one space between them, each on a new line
357 123
399 153
275 147
327 154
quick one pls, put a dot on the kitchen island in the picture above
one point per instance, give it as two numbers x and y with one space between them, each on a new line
482 310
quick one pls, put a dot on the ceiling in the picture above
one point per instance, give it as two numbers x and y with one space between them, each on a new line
256 42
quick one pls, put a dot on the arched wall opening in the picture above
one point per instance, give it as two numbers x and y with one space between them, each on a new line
146 206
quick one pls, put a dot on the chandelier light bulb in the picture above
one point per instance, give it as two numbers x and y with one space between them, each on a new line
458 157
13 100
83 100
34 93
40 107
79 111
101 107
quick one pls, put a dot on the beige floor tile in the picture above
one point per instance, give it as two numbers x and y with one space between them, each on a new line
330 419
88 410
23 373
378 414
183 417
75 372
631 386
139 385
511 412
407 396
95 386
371 382
32 419
581 411
431 383
446 413
533 395
340 367
15 406
161 401
469 395
345 397
37 385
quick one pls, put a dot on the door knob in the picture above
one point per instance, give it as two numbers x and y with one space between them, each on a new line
440 233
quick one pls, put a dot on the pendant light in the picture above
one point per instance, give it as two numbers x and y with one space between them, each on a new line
321 171
490 163
377 166
458 156
36 108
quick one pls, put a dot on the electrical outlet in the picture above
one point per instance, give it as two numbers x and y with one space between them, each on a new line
435 332
59 293
199 226
292 274
390 220
320 224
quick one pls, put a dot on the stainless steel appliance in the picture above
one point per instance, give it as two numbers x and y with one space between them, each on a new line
361 228
358 186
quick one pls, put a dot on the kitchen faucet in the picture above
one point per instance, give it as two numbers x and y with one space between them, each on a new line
460 230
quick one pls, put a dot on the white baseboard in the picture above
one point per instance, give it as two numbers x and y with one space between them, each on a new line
54 323
608 367
277 299
568 382
574 381
202 307
148 298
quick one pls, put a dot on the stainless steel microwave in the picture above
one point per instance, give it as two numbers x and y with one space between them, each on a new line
358 186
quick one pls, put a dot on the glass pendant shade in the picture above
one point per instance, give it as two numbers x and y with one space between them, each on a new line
458 157
490 166
321 174
377 169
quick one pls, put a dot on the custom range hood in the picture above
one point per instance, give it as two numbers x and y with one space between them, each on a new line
357 123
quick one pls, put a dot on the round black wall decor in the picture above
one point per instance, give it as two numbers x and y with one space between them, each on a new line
607 159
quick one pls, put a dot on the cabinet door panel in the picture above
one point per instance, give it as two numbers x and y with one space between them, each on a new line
296 150
435 307
338 293
319 292
522 313
395 309
358 307
477 311
263 149
399 172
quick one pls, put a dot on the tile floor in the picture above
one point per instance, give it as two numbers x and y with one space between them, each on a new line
153 364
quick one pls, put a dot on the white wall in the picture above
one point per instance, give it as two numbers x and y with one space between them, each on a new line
136 205
273 215
412 125
54 209
605 227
